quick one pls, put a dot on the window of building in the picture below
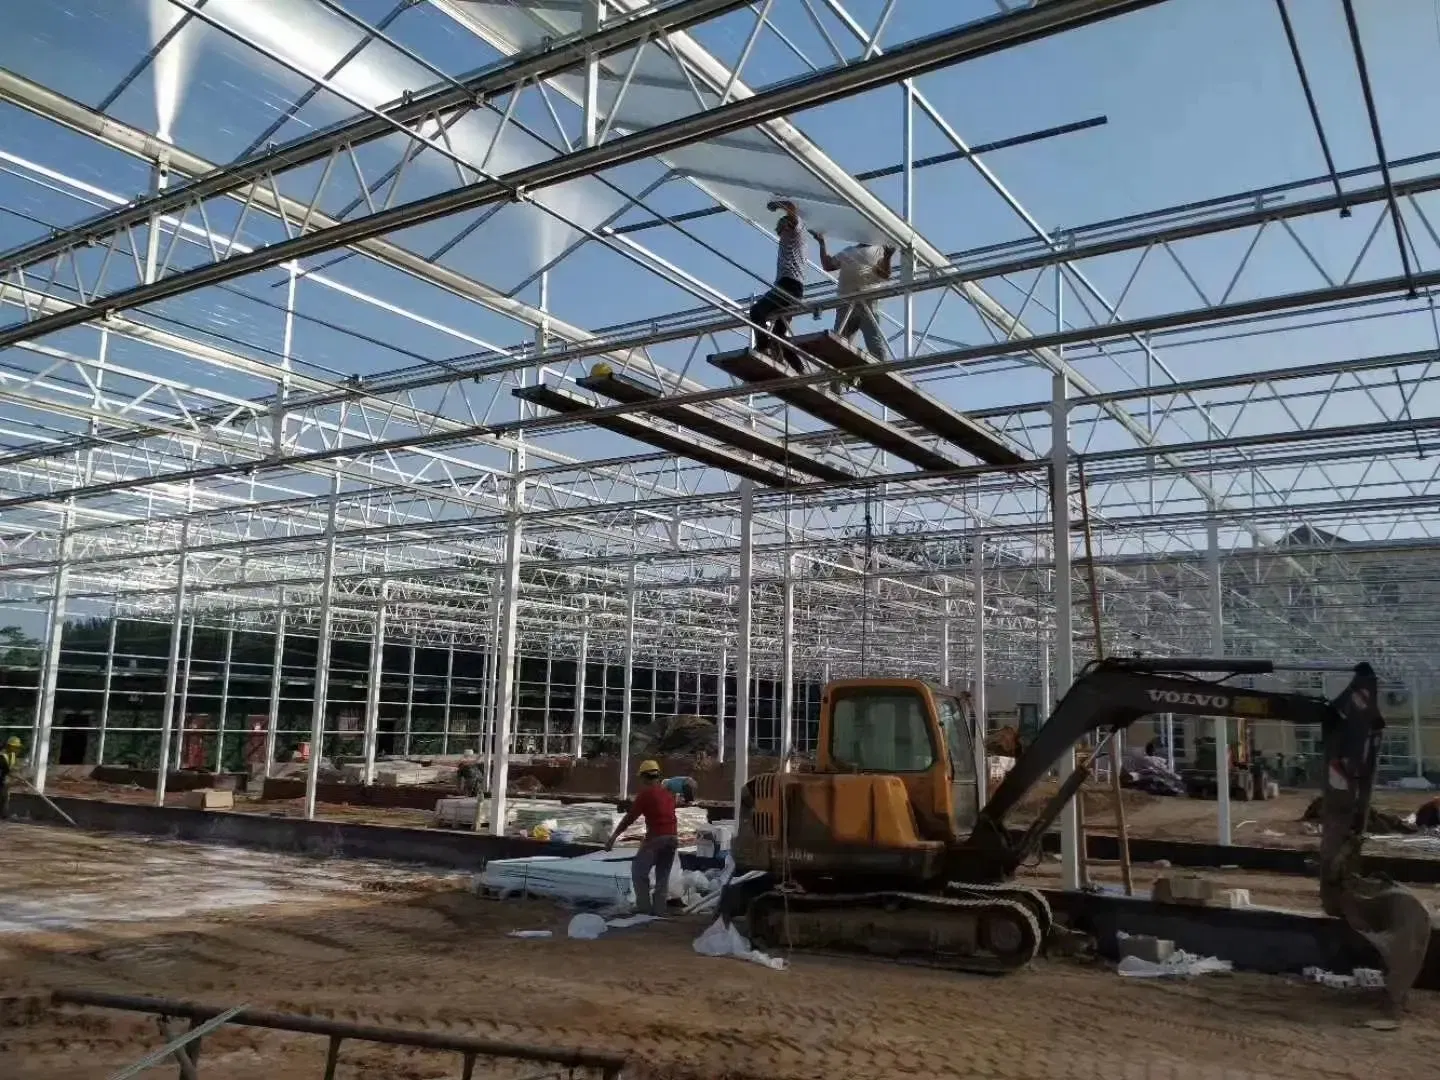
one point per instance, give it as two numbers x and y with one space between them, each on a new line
1307 740
1395 748
881 732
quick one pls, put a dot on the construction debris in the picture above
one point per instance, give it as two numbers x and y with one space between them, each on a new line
209 799
1379 822
1183 889
675 736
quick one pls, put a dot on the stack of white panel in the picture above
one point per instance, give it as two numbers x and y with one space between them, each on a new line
602 877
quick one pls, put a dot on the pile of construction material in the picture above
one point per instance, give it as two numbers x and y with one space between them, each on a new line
676 736
1379 822
1150 774
400 773
549 819
1196 890
599 879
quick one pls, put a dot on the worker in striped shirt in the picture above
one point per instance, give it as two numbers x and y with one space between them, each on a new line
773 311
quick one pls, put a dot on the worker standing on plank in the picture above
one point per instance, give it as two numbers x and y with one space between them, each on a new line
656 805
9 761
773 310
858 267
683 788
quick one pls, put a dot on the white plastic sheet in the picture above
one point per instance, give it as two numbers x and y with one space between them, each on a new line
722 940
587 926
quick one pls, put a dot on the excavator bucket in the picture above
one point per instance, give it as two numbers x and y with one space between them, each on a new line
1390 917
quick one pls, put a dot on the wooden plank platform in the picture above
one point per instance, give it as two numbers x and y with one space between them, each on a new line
626 388
904 397
561 400
752 367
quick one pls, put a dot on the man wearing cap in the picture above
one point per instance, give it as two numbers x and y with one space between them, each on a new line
684 788
656 805
9 758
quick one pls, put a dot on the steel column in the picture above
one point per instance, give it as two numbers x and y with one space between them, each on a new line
177 756
545 720
322 653
372 689
449 691
978 695
224 698
409 700
498 749
1217 649
742 638
582 662
627 700
1064 613
277 679
720 678
787 661
944 672
172 666
105 688
50 660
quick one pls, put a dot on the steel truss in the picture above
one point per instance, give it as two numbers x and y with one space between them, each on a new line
159 468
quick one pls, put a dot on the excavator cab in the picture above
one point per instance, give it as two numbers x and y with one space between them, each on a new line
894 786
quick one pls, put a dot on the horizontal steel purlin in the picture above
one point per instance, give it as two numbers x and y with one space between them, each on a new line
1111 331
1011 265
981 38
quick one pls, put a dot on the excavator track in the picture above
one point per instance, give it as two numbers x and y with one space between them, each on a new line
1022 894
994 935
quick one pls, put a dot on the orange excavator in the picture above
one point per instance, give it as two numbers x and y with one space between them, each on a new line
886 849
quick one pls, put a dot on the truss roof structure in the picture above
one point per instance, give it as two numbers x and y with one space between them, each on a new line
272 274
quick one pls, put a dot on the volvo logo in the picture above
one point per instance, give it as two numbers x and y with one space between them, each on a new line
1177 697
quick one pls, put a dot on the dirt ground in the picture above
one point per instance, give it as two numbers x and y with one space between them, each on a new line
371 944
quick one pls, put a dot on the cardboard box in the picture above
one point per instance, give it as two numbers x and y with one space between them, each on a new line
210 799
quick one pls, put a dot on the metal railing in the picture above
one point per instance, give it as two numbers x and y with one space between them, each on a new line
184 1048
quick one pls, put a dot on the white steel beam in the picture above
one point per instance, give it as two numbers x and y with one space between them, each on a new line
372 689
505 652
322 658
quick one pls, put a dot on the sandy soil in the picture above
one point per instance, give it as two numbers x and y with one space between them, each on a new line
415 951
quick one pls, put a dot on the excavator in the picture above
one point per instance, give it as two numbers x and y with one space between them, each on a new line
888 849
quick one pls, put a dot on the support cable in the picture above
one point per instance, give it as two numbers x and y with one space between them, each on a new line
1314 108
1360 66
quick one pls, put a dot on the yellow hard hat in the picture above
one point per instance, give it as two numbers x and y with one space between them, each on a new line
602 370
648 766
13 743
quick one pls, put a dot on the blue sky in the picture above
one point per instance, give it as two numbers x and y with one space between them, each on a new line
1201 97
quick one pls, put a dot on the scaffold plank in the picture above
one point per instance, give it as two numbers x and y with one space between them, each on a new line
635 427
628 390
750 366
900 394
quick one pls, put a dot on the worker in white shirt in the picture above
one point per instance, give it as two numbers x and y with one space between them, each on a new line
858 267
772 311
